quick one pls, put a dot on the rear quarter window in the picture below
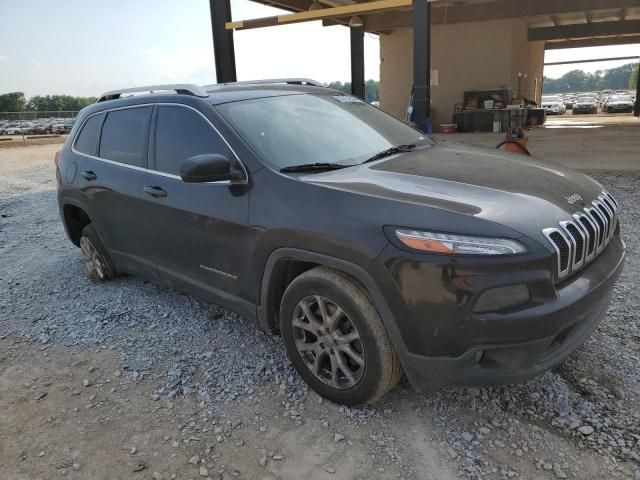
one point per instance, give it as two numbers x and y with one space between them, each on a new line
124 136
87 140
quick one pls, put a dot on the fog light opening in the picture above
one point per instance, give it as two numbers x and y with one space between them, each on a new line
501 298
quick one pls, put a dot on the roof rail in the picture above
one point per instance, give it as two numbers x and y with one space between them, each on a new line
179 88
271 81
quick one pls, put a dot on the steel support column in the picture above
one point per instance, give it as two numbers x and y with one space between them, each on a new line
357 61
223 48
421 62
636 107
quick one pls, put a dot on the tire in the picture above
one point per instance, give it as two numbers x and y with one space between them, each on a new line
358 330
99 265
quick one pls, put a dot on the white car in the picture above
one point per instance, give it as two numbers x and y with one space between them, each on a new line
553 104
13 131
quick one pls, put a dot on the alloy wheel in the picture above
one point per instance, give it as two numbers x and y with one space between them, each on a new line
328 342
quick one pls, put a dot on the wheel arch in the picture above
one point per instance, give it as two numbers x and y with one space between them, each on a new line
75 218
278 273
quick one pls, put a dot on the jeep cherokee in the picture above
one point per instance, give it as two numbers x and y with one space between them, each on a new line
373 250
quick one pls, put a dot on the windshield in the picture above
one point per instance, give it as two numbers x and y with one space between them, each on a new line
316 128
550 99
585 99
620 98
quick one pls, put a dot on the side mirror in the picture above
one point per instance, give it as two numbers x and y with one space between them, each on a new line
208 168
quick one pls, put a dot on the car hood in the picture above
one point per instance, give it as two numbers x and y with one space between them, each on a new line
516 191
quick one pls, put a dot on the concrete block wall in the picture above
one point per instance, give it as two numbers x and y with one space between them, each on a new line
467 56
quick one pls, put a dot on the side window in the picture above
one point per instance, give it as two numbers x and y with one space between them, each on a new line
87 140
182 133
124 136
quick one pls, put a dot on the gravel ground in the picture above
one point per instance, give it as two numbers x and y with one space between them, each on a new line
578 421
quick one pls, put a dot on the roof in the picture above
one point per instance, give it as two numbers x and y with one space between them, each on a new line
560 24
213 94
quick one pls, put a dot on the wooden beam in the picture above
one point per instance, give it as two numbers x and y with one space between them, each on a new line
324 13
608 59
585 30
593 42
499 9
290 5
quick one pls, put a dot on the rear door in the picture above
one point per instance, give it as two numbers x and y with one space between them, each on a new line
196 232
110 178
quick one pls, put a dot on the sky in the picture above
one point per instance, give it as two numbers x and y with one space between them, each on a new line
85 47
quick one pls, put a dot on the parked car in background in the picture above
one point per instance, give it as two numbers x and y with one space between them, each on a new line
221 191
569 101
61 128
619 104
585 105
43 129
553 104
14 130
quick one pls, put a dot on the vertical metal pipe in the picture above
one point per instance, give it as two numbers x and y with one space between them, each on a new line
421 62
636 107
357 62
223 48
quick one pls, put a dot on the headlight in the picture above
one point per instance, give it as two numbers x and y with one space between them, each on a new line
434 242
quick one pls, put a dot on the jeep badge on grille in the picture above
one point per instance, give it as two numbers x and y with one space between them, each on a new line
573 198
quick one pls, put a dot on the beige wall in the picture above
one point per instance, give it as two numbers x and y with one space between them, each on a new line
468 56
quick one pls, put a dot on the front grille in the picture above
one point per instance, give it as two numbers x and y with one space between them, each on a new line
578 241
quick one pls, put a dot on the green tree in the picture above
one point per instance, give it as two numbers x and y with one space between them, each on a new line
371 89
579 81
633 79
12 102
50 103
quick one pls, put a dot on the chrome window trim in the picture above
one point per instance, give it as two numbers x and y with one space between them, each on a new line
156 172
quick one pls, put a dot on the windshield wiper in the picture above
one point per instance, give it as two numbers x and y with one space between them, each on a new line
391 151
305 167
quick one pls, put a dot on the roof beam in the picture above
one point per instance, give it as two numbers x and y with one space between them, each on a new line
608 59
499 9
585 30
593 42
321 14
291 5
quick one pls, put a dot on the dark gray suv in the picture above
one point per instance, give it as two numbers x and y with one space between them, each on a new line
373 250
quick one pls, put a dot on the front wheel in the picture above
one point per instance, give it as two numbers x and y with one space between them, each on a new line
335 338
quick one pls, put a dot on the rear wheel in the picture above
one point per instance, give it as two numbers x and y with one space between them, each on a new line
97 261
335 338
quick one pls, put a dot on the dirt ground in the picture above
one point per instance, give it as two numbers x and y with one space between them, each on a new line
77 410
610 141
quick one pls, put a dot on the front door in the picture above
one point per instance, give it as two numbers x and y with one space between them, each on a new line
196 232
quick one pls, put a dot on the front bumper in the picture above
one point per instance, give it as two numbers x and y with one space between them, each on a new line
620 108
501 348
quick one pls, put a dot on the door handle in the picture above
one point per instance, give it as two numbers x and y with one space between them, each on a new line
155 192
89 175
